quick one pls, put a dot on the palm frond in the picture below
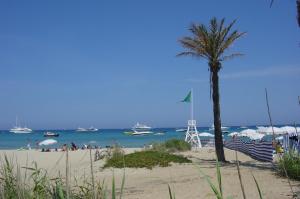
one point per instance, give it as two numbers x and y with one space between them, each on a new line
210 42
298 11
231 56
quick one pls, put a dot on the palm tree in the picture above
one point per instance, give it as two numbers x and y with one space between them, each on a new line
297 7
211 42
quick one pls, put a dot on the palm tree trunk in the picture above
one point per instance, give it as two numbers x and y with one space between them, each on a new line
217 117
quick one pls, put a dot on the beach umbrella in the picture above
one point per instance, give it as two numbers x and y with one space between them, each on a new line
269 130
252 134
205 134
279 138
291 130
47 142
233 134
247 131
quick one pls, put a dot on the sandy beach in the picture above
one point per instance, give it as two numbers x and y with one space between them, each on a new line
185 179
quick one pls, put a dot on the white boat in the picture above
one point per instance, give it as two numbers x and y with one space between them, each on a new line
79 129
213 127
181 130
141 129
139 126
91 129
19 129
141 132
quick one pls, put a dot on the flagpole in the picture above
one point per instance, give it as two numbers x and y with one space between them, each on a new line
192 105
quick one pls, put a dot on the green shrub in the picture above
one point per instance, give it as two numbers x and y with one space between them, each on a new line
291 163
145 159
177 145
173 145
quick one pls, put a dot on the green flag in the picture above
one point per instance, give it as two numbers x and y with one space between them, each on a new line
188 98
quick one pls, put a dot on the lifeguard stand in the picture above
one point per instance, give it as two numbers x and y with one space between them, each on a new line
191 135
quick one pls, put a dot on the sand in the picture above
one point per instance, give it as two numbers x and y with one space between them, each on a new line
185 180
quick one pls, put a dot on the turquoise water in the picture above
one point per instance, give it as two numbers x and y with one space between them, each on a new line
102 138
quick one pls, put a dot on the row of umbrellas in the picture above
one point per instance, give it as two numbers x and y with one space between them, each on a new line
260 132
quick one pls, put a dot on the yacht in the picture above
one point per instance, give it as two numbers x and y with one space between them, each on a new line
91 129
79 129
213 127
51 134
181 130
139 126
19 129
140 129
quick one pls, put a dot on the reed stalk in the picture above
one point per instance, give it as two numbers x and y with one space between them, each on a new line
273 140
92 174
239 174
67 174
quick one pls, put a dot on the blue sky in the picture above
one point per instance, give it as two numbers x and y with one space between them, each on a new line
110 64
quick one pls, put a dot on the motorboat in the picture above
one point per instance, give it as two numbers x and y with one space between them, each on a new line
91 129
138 132
51 134
141 132
139 126
139 129
181 130
213 127
79 129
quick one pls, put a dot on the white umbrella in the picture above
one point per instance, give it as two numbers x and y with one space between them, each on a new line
233 134
279 138
205 134
269 130
48 142
247 131
291 130
252 134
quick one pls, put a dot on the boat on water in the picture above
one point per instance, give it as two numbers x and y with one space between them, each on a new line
91 129
181 130
160 133
19 129
139 129
51 134
213 127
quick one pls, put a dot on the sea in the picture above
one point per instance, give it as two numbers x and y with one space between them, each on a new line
101 138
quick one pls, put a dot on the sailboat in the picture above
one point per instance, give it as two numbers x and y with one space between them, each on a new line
19 129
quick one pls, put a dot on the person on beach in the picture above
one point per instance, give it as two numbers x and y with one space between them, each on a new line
279 148
64 148
74 147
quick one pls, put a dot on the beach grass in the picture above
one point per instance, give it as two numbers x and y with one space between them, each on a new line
38 185
172 145
289 164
